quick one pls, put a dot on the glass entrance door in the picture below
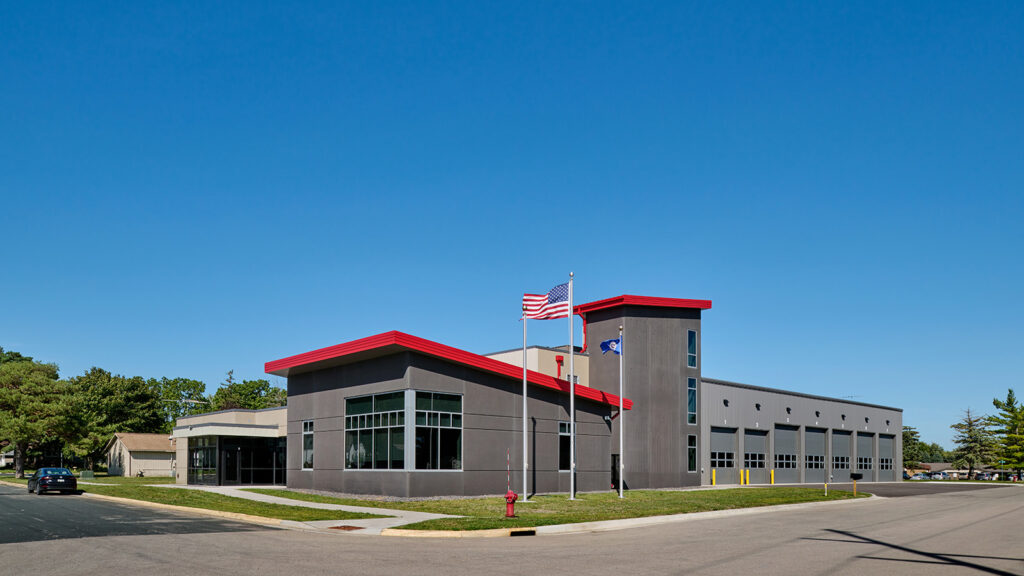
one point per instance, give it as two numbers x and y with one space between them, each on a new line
229 465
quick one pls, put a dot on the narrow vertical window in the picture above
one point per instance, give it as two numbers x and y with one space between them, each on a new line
564 461
691 348
307 445
691 400
691 453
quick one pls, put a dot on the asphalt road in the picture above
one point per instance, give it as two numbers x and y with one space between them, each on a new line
956 530
28 517
900 489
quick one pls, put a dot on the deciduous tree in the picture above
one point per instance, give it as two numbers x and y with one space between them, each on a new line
111 403
35 406
248 394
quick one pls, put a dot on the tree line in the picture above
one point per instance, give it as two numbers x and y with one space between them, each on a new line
79 415
981 440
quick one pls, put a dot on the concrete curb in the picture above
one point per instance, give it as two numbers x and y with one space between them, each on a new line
610 525
495 533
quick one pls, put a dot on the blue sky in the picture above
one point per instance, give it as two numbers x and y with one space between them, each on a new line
192 188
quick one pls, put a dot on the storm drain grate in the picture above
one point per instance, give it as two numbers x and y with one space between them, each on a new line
346 528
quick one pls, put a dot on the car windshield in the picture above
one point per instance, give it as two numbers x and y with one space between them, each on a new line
55 472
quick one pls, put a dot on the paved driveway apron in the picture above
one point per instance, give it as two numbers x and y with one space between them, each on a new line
28 517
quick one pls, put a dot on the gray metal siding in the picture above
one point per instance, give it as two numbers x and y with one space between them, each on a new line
733 405
787 442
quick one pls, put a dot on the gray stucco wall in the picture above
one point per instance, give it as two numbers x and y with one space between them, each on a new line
732 405
492 428
655 356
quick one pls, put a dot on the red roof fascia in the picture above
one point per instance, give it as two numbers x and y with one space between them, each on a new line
438 350
629 300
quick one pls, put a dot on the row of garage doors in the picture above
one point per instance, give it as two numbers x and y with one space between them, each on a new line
816 460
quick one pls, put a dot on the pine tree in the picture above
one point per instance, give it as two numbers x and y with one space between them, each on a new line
975 445
1008 424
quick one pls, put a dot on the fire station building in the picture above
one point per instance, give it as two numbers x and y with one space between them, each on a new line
398 415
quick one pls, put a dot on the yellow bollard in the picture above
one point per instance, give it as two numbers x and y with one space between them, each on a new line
773 476
748 476
712 476
854 487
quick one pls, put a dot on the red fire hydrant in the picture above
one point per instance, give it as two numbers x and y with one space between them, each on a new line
510 504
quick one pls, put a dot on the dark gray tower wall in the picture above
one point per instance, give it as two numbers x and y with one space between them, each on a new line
655 346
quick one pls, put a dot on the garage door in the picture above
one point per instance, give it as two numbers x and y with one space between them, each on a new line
840 456
886 446
755 454
866 456
787 454
814 460
723 455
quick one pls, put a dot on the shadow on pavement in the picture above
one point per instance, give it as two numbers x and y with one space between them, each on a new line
926 557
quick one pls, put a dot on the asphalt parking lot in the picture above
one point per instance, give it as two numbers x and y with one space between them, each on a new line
917 488
28 517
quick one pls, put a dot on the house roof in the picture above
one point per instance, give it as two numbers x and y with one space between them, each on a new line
138 442
652 301
394 341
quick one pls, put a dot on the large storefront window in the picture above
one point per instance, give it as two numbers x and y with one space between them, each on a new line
375 432
202 460
438 431
230 460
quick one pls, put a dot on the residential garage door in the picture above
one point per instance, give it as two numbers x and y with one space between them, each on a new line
866 456
755 454
886 445
814 460
723 455
787 454
840 456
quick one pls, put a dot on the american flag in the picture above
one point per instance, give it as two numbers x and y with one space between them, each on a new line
554 304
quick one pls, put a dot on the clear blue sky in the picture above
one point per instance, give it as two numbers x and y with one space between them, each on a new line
195 188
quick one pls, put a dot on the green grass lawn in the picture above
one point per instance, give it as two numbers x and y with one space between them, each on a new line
210 501
484 513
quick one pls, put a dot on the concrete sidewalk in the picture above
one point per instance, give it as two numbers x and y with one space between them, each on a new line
368 526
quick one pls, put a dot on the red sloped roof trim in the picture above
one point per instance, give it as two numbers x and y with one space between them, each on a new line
629 300
438 350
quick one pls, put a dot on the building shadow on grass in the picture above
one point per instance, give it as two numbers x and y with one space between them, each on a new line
944 559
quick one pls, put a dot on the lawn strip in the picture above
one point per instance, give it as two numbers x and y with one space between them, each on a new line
222 503
486 513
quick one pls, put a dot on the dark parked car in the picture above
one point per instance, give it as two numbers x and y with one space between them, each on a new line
51 480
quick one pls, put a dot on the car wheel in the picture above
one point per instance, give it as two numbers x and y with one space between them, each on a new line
30 490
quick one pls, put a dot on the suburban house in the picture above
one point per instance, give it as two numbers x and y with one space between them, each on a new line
136 454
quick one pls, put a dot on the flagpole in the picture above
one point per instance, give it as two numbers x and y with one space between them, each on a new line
622 422
572 401
525 493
